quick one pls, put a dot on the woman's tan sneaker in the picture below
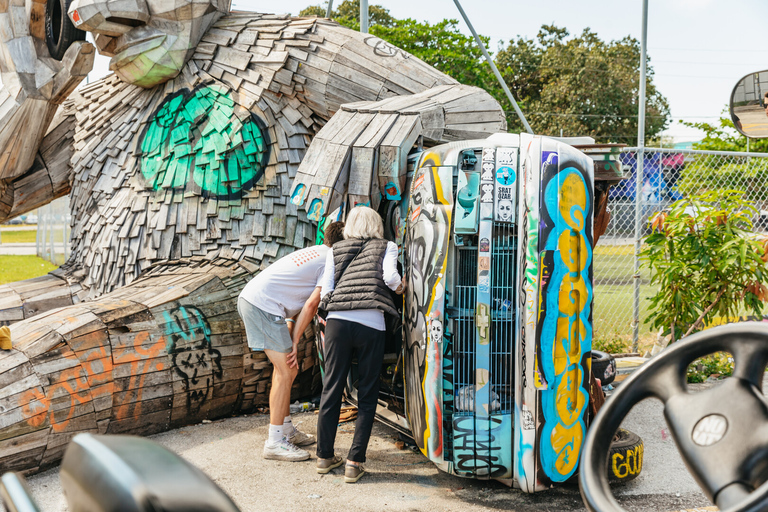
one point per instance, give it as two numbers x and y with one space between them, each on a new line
353 473
325 465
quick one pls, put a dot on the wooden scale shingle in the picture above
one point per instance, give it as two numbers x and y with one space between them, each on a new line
181 185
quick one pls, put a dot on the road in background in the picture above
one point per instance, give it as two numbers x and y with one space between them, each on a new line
18 249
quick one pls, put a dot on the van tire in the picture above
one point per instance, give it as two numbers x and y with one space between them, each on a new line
625 460
60 32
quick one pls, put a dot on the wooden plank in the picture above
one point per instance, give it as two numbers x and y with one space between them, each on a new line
23 443
29 459
233 58
142 425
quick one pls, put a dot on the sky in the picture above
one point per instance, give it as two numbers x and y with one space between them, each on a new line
698 49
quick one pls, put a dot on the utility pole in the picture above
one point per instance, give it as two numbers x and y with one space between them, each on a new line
330 8
364 16
494 68
639 177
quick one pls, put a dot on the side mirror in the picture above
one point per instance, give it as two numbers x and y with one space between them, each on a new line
749 105
133 474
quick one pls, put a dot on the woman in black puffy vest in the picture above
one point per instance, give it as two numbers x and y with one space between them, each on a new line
360 271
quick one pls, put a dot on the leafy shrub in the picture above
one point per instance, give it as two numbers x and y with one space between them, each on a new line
719 364
612 345
705 261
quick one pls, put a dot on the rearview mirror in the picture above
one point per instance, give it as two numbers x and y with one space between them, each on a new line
749 105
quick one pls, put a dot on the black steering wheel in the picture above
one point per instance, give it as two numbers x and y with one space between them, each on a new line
721 433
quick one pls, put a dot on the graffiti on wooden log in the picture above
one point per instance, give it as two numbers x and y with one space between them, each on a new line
194 359
74 389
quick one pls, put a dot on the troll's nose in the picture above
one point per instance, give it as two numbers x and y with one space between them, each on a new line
111 18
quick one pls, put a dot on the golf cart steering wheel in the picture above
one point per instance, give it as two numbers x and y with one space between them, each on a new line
721 433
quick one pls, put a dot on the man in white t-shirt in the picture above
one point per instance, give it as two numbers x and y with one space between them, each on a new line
268 305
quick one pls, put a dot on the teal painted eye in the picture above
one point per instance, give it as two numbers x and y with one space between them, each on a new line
203 142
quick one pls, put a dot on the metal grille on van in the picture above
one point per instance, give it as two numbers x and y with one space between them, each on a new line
462 312
465 334
503 313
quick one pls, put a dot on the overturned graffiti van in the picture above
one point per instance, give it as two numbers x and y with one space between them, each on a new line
491 375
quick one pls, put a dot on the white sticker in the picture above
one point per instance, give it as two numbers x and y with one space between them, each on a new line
487 196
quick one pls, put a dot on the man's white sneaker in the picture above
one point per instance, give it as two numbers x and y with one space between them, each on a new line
300 438
284 450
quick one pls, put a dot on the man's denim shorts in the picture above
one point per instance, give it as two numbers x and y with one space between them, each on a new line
264 331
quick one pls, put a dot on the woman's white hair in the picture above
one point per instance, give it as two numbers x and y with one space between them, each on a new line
363 222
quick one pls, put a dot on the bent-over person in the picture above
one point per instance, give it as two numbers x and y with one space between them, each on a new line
268 305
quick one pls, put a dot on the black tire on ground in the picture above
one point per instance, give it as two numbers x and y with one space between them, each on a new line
626 457
60 33
603 367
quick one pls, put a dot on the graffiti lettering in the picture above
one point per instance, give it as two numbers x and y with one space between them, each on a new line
194 359
426 249
565 317
474 451
447 394
384 49
630 463
76 387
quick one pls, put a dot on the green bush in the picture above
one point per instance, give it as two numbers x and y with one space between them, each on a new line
706 262
612 345
719 364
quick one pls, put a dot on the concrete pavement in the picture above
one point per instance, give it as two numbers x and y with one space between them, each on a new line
229 451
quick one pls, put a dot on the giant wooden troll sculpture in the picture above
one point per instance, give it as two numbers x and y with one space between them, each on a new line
180 170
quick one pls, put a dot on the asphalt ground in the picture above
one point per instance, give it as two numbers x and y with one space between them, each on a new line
229 451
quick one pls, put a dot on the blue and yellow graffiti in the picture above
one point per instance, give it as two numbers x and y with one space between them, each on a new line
565 321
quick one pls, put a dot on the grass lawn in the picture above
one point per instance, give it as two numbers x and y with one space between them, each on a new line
18 237
614 296
16 268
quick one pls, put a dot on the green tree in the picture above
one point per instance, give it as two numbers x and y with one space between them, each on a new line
348 14
705 262
581 85
443 46
314 10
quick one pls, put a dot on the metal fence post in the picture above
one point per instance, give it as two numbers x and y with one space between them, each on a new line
638 237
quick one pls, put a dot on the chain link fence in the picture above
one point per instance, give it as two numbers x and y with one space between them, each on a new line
667 175
53 230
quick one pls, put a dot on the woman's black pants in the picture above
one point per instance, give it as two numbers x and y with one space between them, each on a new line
344 339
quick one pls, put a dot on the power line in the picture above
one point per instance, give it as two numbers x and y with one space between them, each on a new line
700 63
695 76
705 50
615 116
